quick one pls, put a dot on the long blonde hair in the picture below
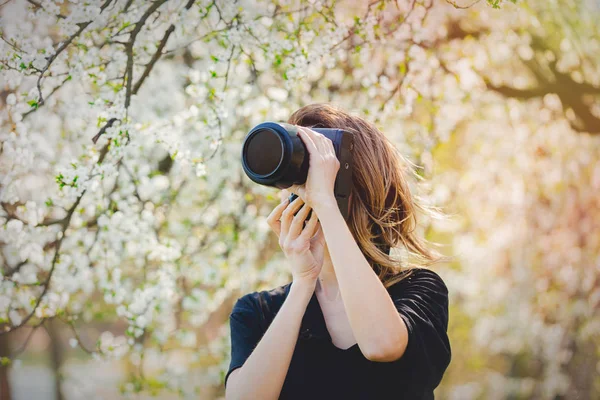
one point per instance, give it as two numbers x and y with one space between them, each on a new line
382 210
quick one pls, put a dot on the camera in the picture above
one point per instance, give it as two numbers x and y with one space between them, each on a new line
274 155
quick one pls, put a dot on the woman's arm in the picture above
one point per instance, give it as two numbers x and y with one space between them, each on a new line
263 373
367 302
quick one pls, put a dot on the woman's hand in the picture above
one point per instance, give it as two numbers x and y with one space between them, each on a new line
317 191
301 246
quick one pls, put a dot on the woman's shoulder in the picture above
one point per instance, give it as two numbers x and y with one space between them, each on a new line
420 278
265 302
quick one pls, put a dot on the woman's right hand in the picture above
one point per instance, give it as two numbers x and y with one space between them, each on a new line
300 245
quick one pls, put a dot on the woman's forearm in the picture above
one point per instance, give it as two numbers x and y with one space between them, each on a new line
356 278
263 374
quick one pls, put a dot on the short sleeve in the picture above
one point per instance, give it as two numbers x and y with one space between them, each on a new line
422 302
245 332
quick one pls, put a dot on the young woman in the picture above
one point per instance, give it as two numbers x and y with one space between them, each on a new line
354 323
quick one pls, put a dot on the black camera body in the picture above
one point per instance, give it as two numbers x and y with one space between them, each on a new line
274 155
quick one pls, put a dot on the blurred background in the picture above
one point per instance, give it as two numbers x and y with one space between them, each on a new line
128 228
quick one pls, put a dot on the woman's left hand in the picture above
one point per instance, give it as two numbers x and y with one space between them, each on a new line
317 191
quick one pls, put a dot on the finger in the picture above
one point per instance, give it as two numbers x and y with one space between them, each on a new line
311 227
320 141
308 141
323 145
310 133
298 221
326 148
329 145
298 190
288 214
273 218
302 192
283 194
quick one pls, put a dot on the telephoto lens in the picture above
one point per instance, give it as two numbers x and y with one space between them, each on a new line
274 155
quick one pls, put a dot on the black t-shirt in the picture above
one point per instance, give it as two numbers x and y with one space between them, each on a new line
320 370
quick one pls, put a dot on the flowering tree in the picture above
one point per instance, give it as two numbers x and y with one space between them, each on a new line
524 162
124 205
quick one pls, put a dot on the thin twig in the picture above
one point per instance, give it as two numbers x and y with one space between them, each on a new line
60 49
453 4
108 124
68 78
129 48
158 53
228 67
396 89
23 346
38 5
78 337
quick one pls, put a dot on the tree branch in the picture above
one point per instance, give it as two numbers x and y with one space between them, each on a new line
38 5
129 48
102 131
78 337
453 4
55 259
23 346
46 283
155 57
548 79
11 271
523 94
60 49
68 78
562 84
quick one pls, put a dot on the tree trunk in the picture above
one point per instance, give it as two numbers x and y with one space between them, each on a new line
582 371
4 383
56 356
